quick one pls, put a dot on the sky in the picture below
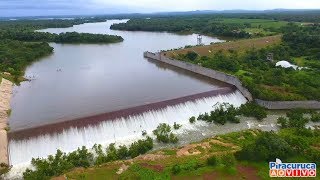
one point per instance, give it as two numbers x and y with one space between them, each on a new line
86 7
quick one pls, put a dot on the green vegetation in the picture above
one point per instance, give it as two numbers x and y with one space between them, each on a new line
209 24
4 168
315 117
68 37
176 126
192 119
15 56
164 134
253 110
62 162
25 30
225 112
222 114
263 79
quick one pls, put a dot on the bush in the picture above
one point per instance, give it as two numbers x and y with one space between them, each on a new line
212 161
296 119
253 110
315 117
228 160
176 126
122 152
192 120
140 147
176 169
58 164
144 133
164 134
191 55
62 162
283 122
4 168
222 114
268 146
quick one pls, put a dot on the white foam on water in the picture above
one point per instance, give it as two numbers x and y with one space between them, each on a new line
122 131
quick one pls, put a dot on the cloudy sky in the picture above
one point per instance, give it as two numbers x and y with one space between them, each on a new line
75 7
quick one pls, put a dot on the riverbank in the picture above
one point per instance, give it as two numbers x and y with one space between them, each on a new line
5 96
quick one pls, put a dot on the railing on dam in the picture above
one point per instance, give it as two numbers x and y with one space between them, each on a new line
230 79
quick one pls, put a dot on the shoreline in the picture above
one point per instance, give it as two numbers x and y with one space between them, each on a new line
6 87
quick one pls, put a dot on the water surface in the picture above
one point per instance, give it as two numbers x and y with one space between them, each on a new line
80 80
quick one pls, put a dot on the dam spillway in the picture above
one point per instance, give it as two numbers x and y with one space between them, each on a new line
116 130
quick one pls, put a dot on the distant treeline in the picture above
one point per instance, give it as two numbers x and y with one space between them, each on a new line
235 25
42 24
184 25
69 37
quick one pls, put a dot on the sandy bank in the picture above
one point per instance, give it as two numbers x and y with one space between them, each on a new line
5 96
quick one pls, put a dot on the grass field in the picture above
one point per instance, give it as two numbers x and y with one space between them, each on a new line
239 45
255 23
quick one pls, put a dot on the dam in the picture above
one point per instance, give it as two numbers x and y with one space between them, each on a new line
109 93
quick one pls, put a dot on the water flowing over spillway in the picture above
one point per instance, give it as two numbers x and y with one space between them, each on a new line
118 130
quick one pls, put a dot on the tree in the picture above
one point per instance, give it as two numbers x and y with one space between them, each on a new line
252 109
212 161
192 119
122 152
315 117
266 147
140 147
283 122
164 134
296 119
191 55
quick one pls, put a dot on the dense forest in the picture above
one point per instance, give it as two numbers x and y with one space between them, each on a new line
24 24
300 45
24 30
69 37
185 25
16 55
234 25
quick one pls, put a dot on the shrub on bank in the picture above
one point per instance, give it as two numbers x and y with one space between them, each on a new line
62 162
4 168
222 114
212 161
252 109
164 134
315 117
192 119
